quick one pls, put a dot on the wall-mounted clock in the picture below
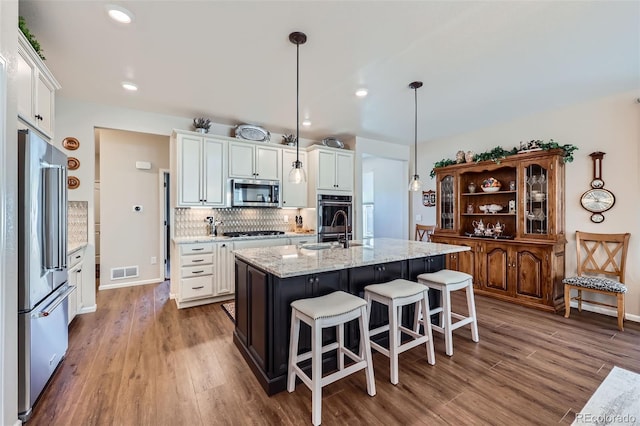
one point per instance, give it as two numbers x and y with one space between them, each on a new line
597 199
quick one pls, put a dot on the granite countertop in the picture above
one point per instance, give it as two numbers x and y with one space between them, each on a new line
74 247
209 239
292 260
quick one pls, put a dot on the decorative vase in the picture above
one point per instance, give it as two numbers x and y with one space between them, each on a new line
201 130
460 157
468 157
472 187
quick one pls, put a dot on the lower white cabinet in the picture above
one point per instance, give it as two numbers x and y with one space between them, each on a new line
203 273
74 265
307 239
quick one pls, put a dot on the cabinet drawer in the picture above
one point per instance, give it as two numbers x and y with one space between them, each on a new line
196 271
195 288
198 248
196 259
75 258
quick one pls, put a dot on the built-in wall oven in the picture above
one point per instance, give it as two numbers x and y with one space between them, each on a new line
331 223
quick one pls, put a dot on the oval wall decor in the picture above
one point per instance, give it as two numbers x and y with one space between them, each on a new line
73 182
71 143
73 163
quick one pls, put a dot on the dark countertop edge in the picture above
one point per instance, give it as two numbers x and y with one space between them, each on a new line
339 267
207 239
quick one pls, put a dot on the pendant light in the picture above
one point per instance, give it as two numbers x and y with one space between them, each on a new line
415 184
297 175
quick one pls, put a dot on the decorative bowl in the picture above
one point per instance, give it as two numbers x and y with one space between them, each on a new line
494 208
491 185
483 208
491 189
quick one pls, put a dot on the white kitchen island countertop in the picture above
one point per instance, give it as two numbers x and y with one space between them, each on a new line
293 260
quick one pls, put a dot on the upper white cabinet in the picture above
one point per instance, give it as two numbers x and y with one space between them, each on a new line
252 161
36 89
293 194
330 169
201 170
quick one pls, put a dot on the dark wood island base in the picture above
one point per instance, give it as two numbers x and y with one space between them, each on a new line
263 312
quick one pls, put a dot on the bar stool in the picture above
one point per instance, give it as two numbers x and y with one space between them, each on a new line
447 281
396 294
332 310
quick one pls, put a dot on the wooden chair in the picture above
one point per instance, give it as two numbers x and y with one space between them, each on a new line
423 231
599 256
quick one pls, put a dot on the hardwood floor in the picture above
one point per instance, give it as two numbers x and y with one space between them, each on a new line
140 361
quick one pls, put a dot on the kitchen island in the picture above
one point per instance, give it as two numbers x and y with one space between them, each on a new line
268 279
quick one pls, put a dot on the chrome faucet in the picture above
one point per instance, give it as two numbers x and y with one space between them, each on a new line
213 225
346 226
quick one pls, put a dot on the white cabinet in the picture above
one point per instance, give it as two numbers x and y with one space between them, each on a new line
293 194
252 161
307 239
36 87
225 273
200 168
205 273
74 265
330 169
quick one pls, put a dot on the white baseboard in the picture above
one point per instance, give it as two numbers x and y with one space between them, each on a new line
88 309
130 284
605 311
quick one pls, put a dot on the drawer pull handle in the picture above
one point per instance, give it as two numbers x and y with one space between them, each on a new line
197 272
197 260
78 256
197 249
197 288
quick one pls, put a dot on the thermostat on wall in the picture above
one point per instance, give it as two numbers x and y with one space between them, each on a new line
143 165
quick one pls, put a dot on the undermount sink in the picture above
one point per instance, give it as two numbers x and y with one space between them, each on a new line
324 246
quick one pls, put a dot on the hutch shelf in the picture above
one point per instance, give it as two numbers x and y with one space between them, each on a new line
524 263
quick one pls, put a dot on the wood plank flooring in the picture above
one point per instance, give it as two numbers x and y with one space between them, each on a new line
140 361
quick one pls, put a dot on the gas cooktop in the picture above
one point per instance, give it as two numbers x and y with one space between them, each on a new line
251 233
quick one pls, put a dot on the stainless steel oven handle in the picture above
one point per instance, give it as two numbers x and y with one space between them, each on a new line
47 310
334 203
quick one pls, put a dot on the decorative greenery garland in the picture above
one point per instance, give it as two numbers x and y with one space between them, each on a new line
498 153
22 24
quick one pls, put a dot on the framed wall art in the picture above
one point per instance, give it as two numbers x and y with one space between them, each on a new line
429 198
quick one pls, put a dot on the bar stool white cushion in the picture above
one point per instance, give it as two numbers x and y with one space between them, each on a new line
447 281
331 305
396 294
333 310
445 276
396 288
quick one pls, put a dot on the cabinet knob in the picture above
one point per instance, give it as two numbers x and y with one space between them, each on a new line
79 270
224 245
38 116
317 280
311 280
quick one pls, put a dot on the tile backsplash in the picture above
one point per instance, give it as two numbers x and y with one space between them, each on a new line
77 221
191 222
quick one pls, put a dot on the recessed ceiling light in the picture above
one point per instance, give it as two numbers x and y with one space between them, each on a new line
129 86
361 92
119 14
306 122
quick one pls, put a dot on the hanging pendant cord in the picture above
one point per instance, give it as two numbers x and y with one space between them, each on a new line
297 104
415 133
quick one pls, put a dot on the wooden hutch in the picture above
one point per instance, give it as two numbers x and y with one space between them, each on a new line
525 263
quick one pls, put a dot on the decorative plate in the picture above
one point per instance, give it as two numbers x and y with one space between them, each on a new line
73 182
73 163
252 133
332 142
71 143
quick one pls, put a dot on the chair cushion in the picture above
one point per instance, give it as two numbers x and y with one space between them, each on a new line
331 305
396 288
445 276
597 283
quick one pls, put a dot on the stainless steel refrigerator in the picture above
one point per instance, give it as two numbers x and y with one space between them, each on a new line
42 266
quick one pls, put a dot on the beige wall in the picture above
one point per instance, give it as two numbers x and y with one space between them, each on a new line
130 238
611 125
8 216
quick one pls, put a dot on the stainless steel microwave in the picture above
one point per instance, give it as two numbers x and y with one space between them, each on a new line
255 193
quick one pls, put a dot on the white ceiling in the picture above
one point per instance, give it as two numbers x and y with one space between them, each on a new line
481 62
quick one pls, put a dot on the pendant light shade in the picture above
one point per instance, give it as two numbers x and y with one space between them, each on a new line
297 174
415 184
